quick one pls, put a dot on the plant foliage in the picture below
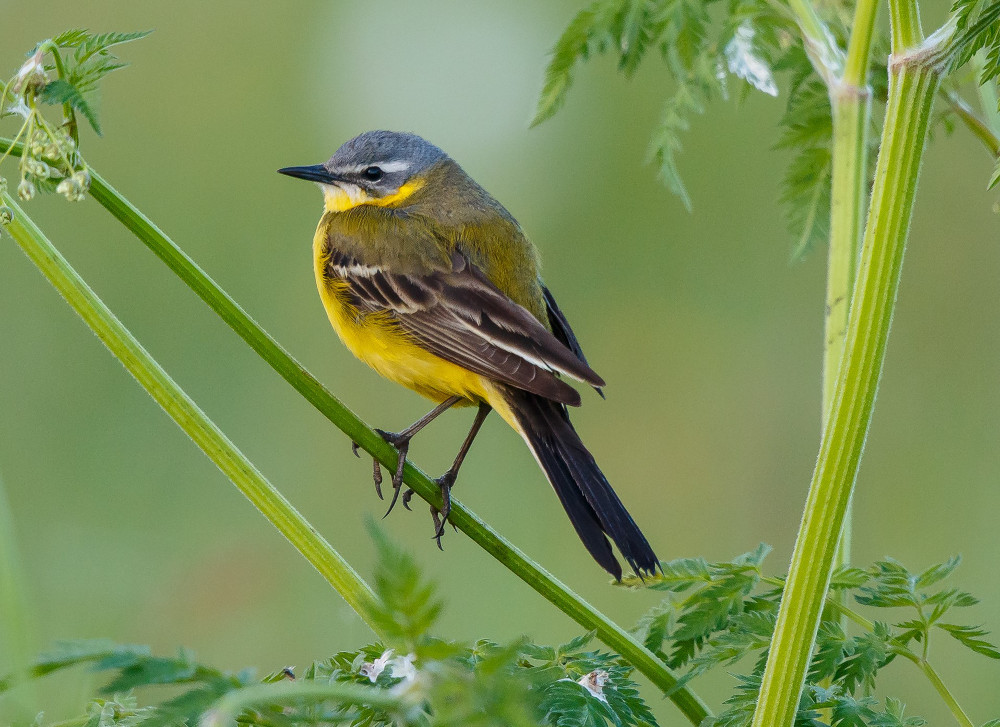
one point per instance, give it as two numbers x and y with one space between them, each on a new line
721 614
415 679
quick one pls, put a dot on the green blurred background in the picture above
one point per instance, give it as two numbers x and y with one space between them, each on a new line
709 338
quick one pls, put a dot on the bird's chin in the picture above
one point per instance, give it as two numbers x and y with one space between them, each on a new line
343 196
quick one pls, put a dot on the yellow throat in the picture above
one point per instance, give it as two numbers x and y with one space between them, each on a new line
341 199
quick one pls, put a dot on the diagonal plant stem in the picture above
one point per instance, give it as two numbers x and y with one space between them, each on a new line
189 416
544 583
850 101
914 77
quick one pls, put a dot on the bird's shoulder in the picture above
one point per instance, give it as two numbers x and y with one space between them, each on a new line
450 213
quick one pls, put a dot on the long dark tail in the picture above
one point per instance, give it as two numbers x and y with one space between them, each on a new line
592 506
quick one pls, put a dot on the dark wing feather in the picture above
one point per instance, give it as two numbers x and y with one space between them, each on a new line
462 317
562 330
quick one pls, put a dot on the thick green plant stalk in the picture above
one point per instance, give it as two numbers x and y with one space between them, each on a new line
190 417
570 603
914 77
850 105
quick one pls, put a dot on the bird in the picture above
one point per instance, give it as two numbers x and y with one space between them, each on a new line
429 280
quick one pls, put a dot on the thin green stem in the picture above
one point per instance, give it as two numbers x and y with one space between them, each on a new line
225 711
189 417
979 127
991 107
343 418
850 102
851 106
912 87
956 709
49 47
904 17
859 47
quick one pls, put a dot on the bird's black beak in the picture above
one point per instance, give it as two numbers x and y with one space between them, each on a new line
313 173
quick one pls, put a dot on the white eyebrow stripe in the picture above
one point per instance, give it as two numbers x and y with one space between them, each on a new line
397 165
394 166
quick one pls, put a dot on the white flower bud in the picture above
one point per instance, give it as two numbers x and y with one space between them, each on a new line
26 190
31 73
82 177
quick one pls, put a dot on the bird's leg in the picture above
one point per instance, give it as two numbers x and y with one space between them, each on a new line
445 481
401 441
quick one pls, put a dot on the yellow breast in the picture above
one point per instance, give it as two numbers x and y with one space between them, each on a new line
374 339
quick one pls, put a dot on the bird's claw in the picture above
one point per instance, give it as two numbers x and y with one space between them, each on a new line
402 445
377 478
440 515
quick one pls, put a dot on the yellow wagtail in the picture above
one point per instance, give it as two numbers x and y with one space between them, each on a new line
430 281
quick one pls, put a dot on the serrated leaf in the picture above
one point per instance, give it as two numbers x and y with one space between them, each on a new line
590 27
995 177
976 28
187 707
970 637
71 38
574 645
61 91
654 626
832 647
542 653
680 574
893 716
806 196
850 712
666 142
407 605
86 75
869 652
71 653
846 577
937 573
103 41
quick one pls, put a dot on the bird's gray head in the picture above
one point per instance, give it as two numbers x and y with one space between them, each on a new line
375 167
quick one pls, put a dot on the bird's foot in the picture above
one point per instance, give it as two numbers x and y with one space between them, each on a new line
402 445
440 515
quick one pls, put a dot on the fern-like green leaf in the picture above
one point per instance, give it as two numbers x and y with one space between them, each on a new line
590 28
407 605
61 91
970 637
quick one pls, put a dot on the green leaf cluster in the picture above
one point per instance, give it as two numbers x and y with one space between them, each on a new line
413 679
79 59
753 41
719 614
90 61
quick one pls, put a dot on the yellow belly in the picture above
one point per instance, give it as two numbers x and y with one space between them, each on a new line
371 338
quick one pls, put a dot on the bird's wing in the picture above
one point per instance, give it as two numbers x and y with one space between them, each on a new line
459 315
562 330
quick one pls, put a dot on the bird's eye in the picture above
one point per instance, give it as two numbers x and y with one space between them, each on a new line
373 174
